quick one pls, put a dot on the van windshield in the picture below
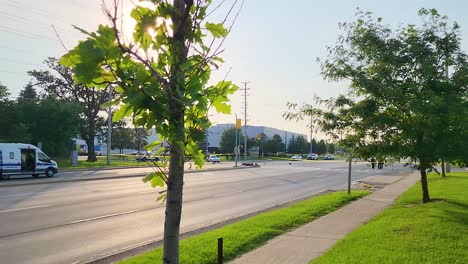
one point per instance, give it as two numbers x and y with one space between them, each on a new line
42 157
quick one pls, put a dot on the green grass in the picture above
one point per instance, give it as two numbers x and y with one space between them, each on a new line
412 232
248 234
116 161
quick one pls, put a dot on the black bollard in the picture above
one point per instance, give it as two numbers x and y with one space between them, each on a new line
220 250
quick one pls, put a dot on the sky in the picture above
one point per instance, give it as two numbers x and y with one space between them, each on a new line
273 45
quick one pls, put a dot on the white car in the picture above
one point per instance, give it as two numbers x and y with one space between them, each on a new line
296 157
312 156
214 159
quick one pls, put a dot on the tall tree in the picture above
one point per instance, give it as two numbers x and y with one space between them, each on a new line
4 93
274 145
322 147
408 92
331 148
28 94
228 140
7 121
161 77
59 83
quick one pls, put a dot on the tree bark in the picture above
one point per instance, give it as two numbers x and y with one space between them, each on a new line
177 156
91 152
443 169
424 186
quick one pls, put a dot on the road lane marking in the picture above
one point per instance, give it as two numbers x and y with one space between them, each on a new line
224 194
104 216
25 208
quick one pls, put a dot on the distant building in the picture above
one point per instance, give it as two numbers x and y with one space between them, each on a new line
215 132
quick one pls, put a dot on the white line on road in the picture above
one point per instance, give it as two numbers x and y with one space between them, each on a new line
224 194
104 216
25 208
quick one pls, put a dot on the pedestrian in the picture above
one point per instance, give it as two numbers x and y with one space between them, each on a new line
372 160
380 164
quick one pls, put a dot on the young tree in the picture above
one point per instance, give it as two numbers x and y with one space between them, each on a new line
161 77
59 83
408 92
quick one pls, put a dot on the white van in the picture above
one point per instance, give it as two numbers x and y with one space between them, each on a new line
24 159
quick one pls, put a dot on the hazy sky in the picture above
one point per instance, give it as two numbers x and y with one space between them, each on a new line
273 46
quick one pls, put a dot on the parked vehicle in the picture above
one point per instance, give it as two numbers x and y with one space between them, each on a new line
296 157
147 158
24 159
213 158
312 156
329 157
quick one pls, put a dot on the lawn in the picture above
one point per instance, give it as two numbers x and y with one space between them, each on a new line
116 161
248 234
412 232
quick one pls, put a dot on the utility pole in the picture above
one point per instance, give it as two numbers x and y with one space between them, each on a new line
109 127
236 148
245 89
447 163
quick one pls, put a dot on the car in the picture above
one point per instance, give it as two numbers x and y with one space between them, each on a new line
213 158
146 158
329 157
312 156
296 157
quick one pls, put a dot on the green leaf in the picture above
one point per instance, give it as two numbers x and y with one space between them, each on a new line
152 145
124 111
155 179
217 30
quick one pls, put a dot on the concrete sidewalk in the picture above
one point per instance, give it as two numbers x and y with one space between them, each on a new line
312 240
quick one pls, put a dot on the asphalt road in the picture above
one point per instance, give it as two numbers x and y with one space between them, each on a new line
71 222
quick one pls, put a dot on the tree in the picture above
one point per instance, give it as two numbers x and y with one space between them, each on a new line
331 148
122 136
49 121
274 145
321 147
28 94
408 92
161 78
8 121
4 93
297 145
60 84
228 140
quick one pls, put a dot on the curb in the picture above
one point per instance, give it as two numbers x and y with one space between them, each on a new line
82 178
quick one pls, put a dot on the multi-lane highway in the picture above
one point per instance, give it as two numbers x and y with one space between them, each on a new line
66 222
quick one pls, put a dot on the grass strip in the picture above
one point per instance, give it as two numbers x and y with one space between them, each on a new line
248 234
100 163
412 232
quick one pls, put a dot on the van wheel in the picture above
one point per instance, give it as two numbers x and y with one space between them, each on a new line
35 175
49 172
4 177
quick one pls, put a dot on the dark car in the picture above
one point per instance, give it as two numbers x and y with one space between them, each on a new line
147 158
329 157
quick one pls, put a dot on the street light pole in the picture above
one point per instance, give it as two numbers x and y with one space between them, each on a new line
311 130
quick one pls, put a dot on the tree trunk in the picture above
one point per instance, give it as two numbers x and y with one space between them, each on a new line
173 206
91 152
443 169
424 186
